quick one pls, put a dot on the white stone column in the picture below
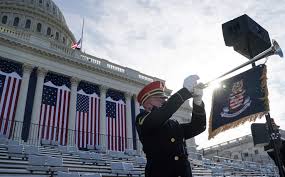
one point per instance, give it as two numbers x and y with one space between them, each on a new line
20 111
33 134
129 121
102 135
72 111
137 110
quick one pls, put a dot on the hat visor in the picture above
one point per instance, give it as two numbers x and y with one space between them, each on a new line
157 95
160 95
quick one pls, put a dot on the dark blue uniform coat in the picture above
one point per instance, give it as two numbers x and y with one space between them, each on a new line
163 139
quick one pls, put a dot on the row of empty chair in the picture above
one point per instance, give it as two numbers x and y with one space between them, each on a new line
233 167
77 174
53 159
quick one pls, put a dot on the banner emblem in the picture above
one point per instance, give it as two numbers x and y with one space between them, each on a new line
242 98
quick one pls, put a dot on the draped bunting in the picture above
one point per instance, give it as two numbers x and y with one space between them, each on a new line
10 82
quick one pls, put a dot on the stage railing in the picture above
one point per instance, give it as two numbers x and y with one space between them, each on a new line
15 130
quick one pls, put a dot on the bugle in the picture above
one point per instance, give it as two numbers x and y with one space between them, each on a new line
273 50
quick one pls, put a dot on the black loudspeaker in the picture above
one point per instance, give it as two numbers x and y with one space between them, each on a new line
260 134
246 36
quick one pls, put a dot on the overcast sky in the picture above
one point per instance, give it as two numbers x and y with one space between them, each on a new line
171 39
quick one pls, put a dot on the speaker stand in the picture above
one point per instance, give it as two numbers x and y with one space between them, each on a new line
274 138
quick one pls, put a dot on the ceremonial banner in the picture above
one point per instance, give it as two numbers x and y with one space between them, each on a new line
241 98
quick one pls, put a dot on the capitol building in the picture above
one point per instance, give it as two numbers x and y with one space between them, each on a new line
52 93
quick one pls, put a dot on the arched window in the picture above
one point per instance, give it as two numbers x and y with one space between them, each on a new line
48 31
54 9
28 24
63 40
40 1
56 36
47 4
16 21
4 19
39 27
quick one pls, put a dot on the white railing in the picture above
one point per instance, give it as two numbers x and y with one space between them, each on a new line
15 33
116 68
62 48
145 78
93 60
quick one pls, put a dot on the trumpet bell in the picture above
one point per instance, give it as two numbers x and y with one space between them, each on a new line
277 48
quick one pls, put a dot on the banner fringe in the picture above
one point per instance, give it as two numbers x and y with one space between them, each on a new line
250 118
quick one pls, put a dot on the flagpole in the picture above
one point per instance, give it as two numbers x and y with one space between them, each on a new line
82 35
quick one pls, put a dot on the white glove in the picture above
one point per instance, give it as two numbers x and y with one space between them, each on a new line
190 82
197 94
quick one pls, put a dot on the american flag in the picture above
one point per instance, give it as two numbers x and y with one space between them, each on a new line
10 82
87 124
76 45
116 121
54 112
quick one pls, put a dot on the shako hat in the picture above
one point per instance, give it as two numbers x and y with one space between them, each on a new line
155 88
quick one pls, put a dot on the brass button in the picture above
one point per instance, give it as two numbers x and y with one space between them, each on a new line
176 158
172 140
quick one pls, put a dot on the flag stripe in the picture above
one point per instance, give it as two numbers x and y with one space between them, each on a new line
63 118
98 110
51 126
125 128
90 118
48 122
67 120
3 101
119 131
10 100
59 115
108 133
15 105
123 139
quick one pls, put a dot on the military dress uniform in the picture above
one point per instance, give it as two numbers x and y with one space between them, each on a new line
163 139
